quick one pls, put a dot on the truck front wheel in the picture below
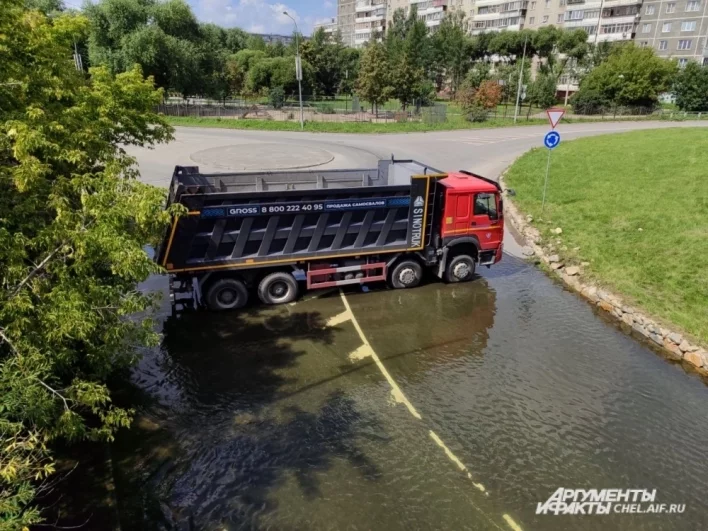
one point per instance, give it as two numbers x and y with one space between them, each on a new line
277 288
460 269
227 294
406 274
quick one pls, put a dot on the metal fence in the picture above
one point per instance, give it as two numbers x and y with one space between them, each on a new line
339 109
345 109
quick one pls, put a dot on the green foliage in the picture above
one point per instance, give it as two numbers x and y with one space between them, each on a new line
480 72
374 83
691 87
542 92
588 101
631 76
277 97
452 46
74 225
45 6
278 72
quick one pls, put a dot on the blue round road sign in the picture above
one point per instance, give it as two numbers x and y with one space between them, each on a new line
552 139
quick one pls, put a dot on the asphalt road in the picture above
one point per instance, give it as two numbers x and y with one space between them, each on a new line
484 151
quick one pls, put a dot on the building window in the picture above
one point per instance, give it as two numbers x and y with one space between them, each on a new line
671 7
666 27
545 19
561 3
650 9
682 62
559 20
574 15
532 20
693 5
663 45
684 44
643 44
646 28
533 5
548 4
689 25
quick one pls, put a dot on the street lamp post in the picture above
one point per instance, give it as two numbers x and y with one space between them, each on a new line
298 67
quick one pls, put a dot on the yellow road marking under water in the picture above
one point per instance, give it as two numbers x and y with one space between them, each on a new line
365 351
455 460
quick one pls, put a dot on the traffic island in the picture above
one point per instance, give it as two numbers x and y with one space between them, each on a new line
624 225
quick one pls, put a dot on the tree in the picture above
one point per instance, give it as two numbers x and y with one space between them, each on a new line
407 82
631 76
373 83
45 6
175 18
542 92
349 61
74 225
452 47
691 87
255 42
488 95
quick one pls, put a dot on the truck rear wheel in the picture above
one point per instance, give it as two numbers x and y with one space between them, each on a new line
406 274
227 294
278 288
460 269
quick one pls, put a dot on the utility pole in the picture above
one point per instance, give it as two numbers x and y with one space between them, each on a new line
521 78
298 67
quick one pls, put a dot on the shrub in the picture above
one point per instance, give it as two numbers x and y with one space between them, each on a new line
477 113
488 95
588 101
277 97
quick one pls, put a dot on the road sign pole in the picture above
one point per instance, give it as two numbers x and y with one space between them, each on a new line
545 183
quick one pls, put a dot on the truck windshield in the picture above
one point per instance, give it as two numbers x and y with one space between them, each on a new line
485 204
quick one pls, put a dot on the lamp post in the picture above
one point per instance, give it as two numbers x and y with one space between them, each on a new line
298 67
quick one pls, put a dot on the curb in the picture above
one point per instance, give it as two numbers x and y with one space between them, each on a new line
670 343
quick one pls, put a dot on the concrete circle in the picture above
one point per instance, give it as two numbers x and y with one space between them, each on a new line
262 156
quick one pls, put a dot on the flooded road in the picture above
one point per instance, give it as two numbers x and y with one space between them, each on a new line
280 418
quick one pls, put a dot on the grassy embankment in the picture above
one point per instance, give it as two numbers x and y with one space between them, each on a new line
636 205
347 127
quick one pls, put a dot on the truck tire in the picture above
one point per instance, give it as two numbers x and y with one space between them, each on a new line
406 274
227 294
278 288
460 269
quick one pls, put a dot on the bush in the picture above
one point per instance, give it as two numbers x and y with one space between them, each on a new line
476 113
277 97
327 109
488 95
588 101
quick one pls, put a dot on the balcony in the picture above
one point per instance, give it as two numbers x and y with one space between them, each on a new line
580 23
368 6
439 3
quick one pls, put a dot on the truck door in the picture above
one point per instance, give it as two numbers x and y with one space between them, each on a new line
485 220
462 211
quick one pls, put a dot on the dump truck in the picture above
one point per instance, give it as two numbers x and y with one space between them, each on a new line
273 234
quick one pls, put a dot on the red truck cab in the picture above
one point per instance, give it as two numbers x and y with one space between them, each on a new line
473 214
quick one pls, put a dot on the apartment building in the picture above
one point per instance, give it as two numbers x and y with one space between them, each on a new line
675 28
346 19
329 27
370 19
493 15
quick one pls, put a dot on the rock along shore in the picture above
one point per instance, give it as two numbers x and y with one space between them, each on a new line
670 343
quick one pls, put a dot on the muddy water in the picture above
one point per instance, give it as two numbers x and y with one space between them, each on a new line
261 420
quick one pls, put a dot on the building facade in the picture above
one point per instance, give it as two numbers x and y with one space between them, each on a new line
676 29
329 27
346 20
370 20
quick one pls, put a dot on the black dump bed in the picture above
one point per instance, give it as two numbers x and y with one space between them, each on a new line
253 219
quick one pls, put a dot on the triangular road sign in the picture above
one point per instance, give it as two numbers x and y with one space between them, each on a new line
554 116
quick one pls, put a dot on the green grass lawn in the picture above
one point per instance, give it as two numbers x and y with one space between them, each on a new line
636 204
453 122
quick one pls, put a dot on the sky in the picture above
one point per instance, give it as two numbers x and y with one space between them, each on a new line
265 16
259 16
